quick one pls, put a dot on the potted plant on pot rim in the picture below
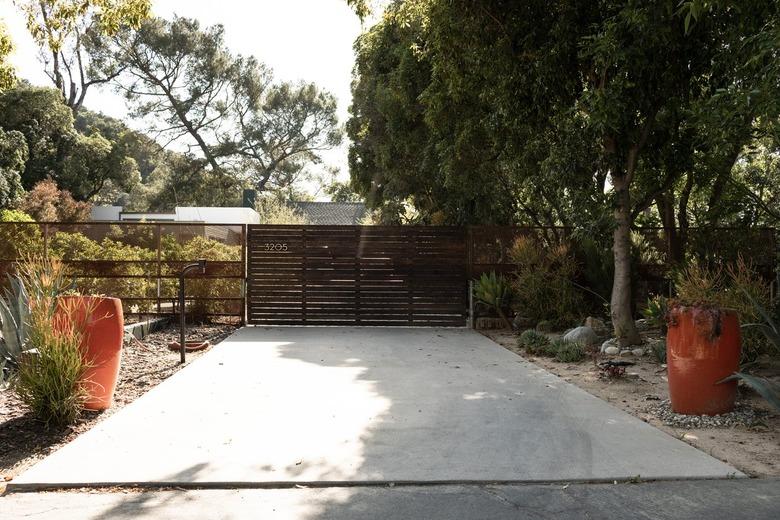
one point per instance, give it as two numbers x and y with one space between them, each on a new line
97 320
703 343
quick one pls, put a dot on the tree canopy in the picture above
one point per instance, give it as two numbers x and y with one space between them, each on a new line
7 73
593 115
237 124
61 28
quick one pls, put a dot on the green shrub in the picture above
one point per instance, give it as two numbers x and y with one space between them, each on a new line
739 288
495 292
49 377
51 365
658 348
533 342
213 251
126 279
655 312
543 282
567 352
19 240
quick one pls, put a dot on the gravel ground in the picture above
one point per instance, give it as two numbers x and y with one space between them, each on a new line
145 364
742 415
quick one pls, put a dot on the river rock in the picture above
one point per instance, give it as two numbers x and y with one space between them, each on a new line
612 351
607 344
585 336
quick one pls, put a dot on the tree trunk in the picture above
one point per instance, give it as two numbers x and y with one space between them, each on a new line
620 304
674 244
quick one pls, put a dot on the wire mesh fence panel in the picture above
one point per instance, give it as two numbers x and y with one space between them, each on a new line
139 262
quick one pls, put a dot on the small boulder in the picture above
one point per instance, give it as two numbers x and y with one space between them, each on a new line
638 352
596 324
585 336
612 351
609 343
626 353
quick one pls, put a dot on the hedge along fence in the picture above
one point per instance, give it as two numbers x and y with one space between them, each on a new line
140 262
653 250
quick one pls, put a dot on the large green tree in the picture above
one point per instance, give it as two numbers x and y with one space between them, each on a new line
62 28
238 125
7 73
79 163
578 113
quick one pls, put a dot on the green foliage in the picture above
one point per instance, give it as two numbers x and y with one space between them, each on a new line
36 280
7 73
567 352
555 114
245 127
534 343
61 28
13 156
542 282
19 240
769 390
49 379
76 246
273 210
14 311
47 355
739 288
655 312
596 268
211 250
81 164
658 348
495 292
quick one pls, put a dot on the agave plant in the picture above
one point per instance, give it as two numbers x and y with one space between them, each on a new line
494 291
14 313
769 390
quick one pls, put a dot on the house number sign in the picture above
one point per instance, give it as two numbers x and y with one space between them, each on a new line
275 246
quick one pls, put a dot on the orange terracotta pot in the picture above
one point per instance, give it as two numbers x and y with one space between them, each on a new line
703 347
103 323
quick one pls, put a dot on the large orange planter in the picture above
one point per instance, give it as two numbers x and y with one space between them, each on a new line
703 347
103 323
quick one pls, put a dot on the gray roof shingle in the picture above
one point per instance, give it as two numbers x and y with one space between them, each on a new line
331 213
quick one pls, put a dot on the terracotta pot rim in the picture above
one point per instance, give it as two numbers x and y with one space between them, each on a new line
688 308
190 346
88 296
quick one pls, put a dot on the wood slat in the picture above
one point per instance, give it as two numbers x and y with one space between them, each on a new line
353 275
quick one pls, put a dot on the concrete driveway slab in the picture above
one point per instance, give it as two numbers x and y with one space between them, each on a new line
329 405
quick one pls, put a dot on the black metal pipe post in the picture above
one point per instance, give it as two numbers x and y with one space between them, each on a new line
200 264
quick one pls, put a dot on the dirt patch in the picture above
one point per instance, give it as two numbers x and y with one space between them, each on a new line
145 364
754 450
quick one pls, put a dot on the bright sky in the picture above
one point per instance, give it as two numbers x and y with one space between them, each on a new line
300 39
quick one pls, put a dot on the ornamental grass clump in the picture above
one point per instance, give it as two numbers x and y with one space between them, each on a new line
50 366
49 379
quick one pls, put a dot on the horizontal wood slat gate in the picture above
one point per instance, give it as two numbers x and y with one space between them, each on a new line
356 275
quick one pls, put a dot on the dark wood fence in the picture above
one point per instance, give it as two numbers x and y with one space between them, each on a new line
357 275
332 275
